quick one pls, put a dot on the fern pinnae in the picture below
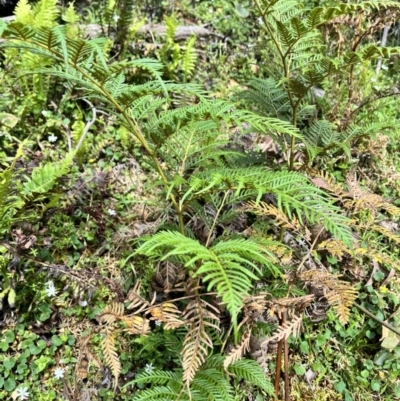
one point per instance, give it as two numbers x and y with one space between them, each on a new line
197 341
253 373
111 356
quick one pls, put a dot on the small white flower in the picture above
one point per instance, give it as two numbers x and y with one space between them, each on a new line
59 373
148 368
50 290
158 322
83 303
52 138
111 212
23 393
115 17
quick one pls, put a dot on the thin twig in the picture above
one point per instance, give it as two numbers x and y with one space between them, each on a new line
87 126
311 249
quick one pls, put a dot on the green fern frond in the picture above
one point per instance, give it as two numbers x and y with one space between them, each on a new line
164 393
158 377
8 199
253 373
23 13
171 24
290 188
212 383
189 58
227 266
43 178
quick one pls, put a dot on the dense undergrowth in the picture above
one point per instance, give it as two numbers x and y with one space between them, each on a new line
198 200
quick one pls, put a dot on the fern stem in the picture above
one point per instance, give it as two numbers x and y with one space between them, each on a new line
129 119
286 362
216 217
293 140
269 30
286 72
373 317
278 368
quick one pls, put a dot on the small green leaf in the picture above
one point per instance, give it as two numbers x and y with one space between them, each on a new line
321 340
56 341
340 387
4 346
299 369
45 312
9 384
9 363
304 348
379 276
375 385
9 336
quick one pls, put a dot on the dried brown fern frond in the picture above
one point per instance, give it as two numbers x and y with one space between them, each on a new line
286 329
355 190
386 232
167 313
137 302
265 209
111 313
341 298
378 256
168 277
136 324
200 315
322 179
297 303
391 209
240 349
111 355
85 355
339 294
335 247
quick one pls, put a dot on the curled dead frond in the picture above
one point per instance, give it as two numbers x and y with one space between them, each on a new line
136 301
111 355
339 294
168 277
285 330
322 179
111 313
240 349
334 247
200 315
278 306
167 313
136 324
386 232
281 218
